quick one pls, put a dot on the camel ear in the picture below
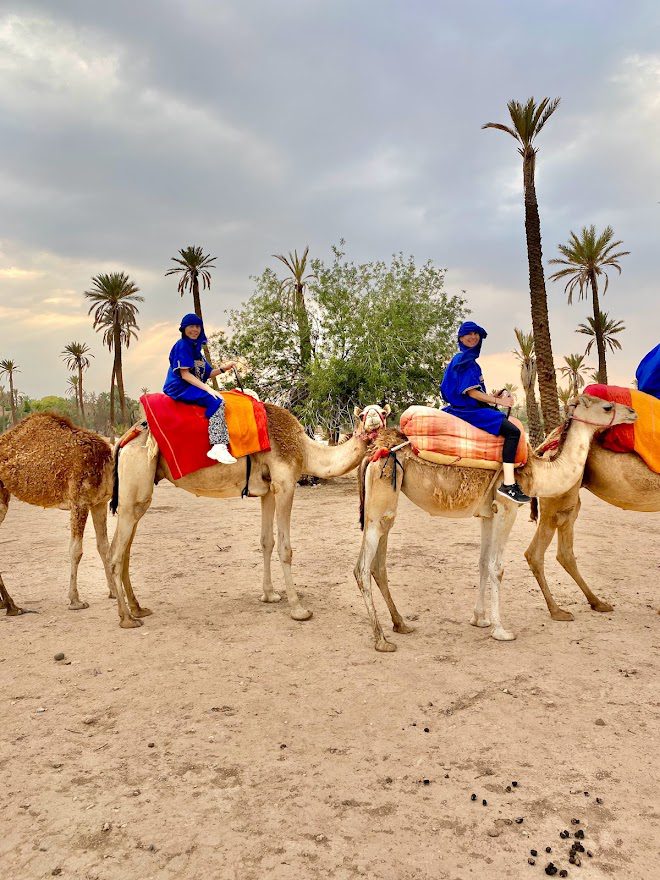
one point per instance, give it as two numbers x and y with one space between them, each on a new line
387 409
357 412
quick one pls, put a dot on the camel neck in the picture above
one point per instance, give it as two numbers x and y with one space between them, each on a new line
332 461
547 478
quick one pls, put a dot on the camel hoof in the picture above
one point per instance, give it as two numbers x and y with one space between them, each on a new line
270 597
384 646
503 635
603 607
112 595
17 612
403 628
301 613
560 614
479 621
129 623
142 612
78 606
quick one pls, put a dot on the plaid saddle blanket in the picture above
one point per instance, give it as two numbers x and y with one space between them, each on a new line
182 430
446 439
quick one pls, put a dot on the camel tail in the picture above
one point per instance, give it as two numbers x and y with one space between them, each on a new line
362 471
114 501
534 510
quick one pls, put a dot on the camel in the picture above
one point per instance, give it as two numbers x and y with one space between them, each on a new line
619 478
48 461
272 478
451 491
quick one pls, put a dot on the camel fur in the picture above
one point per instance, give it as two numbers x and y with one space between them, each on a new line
620 479
47 461
273 479
444 490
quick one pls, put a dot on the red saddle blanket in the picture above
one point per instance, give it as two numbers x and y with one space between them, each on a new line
642 437
433 430
182 430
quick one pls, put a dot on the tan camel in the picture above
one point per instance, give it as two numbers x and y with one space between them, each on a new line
451 491
621 479
47 461
273 478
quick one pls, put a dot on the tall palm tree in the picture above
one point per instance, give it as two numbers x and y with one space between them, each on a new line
528 119
76 356
607 328
193 264
72 391
293 289
565 397
575 370
584 259
8 368
114 297
525 356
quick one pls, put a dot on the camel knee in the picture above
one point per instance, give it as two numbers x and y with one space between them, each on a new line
267 544
285 552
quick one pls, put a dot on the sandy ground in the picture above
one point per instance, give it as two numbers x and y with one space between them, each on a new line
224 740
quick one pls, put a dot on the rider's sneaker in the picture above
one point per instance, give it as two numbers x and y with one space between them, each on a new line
220 453
514 493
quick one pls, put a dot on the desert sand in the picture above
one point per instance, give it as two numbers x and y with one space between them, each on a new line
224 740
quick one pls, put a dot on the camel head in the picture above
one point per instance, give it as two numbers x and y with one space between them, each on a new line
601 413
370 420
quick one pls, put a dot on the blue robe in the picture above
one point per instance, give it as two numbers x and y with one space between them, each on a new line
464 373
648 373
188 353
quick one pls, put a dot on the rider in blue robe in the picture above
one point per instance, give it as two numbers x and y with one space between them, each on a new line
648 373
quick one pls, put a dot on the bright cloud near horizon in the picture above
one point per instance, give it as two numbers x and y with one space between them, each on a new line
254 129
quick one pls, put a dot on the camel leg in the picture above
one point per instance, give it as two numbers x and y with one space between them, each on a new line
535 553
136 609
503 520
267 544
283 492
136 485
78 521
479 617
100 519
6 601
566 557
379 572
380 503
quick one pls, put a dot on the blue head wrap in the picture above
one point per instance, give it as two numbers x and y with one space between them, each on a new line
189 320
648 373
470 354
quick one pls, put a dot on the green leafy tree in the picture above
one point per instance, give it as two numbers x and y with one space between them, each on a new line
192 265
8 368
584 259
114 299
76 356
524 353
575 370
528 120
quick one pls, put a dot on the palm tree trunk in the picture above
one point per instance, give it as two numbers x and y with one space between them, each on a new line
80 394
304 330
111 432
539 301
12 398
197 308
533 418
118 373
599 331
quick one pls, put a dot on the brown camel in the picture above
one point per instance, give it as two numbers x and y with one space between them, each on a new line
443 490
621 479
273 478
48 461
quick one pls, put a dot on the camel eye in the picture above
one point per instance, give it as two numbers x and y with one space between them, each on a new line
608 406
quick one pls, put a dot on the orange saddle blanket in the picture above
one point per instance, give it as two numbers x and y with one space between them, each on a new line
642 437
446 439
182 430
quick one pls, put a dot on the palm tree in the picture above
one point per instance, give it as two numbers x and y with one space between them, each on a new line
72 390
565 397
528 119
584 259
575 371
607 328
76 356
114 297
8 368
194 264
525 355
293 289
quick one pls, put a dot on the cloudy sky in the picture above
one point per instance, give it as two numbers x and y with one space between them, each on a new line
131 129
